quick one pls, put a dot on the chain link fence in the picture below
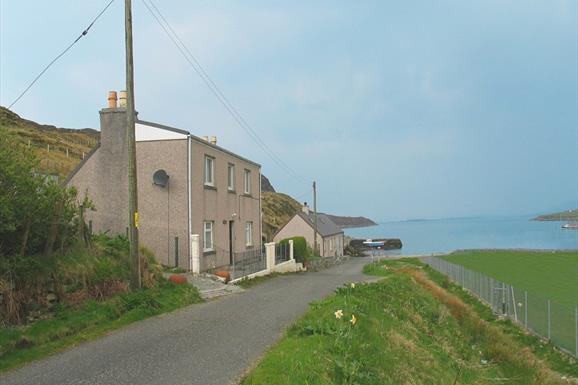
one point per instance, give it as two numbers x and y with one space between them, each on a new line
553 321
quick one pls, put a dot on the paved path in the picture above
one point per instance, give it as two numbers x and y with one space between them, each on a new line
210 343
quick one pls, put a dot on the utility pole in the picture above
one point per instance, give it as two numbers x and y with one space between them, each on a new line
135 281
315 247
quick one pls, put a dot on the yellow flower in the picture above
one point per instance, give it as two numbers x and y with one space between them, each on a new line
352 285
353 320
339 314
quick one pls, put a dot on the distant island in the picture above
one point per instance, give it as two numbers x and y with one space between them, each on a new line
569 215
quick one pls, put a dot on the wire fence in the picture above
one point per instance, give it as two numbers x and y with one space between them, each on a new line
553 321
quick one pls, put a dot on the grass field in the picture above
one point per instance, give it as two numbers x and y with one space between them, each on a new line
409 328
546 274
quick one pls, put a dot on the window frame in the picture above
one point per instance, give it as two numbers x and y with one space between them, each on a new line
211 160
212 237
249 233
231 176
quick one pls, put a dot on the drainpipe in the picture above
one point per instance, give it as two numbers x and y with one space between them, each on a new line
189 204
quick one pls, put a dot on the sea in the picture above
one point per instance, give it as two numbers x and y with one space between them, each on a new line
432 236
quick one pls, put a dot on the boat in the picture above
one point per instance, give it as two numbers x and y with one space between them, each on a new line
572 226
376 244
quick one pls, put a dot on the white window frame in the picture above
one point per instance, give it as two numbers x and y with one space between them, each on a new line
247 181
208 227
231 177
249 233
209 171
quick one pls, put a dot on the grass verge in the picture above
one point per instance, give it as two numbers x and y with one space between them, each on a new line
404 329
70 326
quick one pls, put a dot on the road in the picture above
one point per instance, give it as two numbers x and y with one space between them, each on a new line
210 343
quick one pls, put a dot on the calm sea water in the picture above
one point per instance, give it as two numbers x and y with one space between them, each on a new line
444 235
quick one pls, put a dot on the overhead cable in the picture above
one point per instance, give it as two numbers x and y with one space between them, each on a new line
60 55
198 68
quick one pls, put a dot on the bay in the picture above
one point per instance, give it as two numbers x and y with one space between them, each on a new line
445 235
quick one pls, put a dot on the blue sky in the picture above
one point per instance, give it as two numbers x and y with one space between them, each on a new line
412 109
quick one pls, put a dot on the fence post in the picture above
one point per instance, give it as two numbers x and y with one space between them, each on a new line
526 309
270 255
291 252
195 262
549 322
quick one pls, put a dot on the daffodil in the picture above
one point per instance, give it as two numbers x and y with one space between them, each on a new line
352 285
339 314
353 320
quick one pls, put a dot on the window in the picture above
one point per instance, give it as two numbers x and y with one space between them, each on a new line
231 177
247 181
208 236
209 171
249 233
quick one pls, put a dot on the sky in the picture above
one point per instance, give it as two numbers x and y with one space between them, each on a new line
399 110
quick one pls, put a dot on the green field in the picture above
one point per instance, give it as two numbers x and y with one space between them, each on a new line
552 275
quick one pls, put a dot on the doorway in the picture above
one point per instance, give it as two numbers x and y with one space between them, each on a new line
231 242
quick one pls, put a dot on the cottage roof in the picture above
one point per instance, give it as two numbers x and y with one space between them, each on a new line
325 226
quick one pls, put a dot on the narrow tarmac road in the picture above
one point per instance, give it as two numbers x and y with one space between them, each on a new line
211 343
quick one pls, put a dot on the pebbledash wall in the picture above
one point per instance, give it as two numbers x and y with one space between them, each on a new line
179 209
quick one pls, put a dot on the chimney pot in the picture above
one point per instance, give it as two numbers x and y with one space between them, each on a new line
111 99
122 99
305 208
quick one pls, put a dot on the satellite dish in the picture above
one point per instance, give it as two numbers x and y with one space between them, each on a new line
160 178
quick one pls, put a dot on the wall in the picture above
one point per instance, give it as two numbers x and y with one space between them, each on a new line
163 211
220 205
103 176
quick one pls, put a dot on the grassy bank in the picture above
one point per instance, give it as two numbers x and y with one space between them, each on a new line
551 275
405 329
69 326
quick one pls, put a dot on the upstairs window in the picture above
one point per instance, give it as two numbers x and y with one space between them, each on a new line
231 177
209 170
207 235
247 183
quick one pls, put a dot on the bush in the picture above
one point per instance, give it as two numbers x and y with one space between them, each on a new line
301 251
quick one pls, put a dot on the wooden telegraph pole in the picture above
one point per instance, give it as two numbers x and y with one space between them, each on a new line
135 281
315 246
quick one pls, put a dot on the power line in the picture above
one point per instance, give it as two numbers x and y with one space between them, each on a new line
198 68
60 55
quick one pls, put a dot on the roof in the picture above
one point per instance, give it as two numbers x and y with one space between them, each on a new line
196 139
325 226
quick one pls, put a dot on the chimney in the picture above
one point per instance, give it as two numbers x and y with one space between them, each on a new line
305 208
122 99
111 99
205 138
213 140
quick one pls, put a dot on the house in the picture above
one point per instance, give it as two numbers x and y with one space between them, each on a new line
189 190
329 235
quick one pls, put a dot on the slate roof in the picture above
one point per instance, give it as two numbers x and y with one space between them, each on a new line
325 226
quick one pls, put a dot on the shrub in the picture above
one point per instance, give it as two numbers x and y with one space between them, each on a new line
301 252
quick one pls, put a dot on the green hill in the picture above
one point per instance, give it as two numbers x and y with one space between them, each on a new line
59 150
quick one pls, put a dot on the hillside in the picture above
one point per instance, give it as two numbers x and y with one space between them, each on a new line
570 215
59 150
